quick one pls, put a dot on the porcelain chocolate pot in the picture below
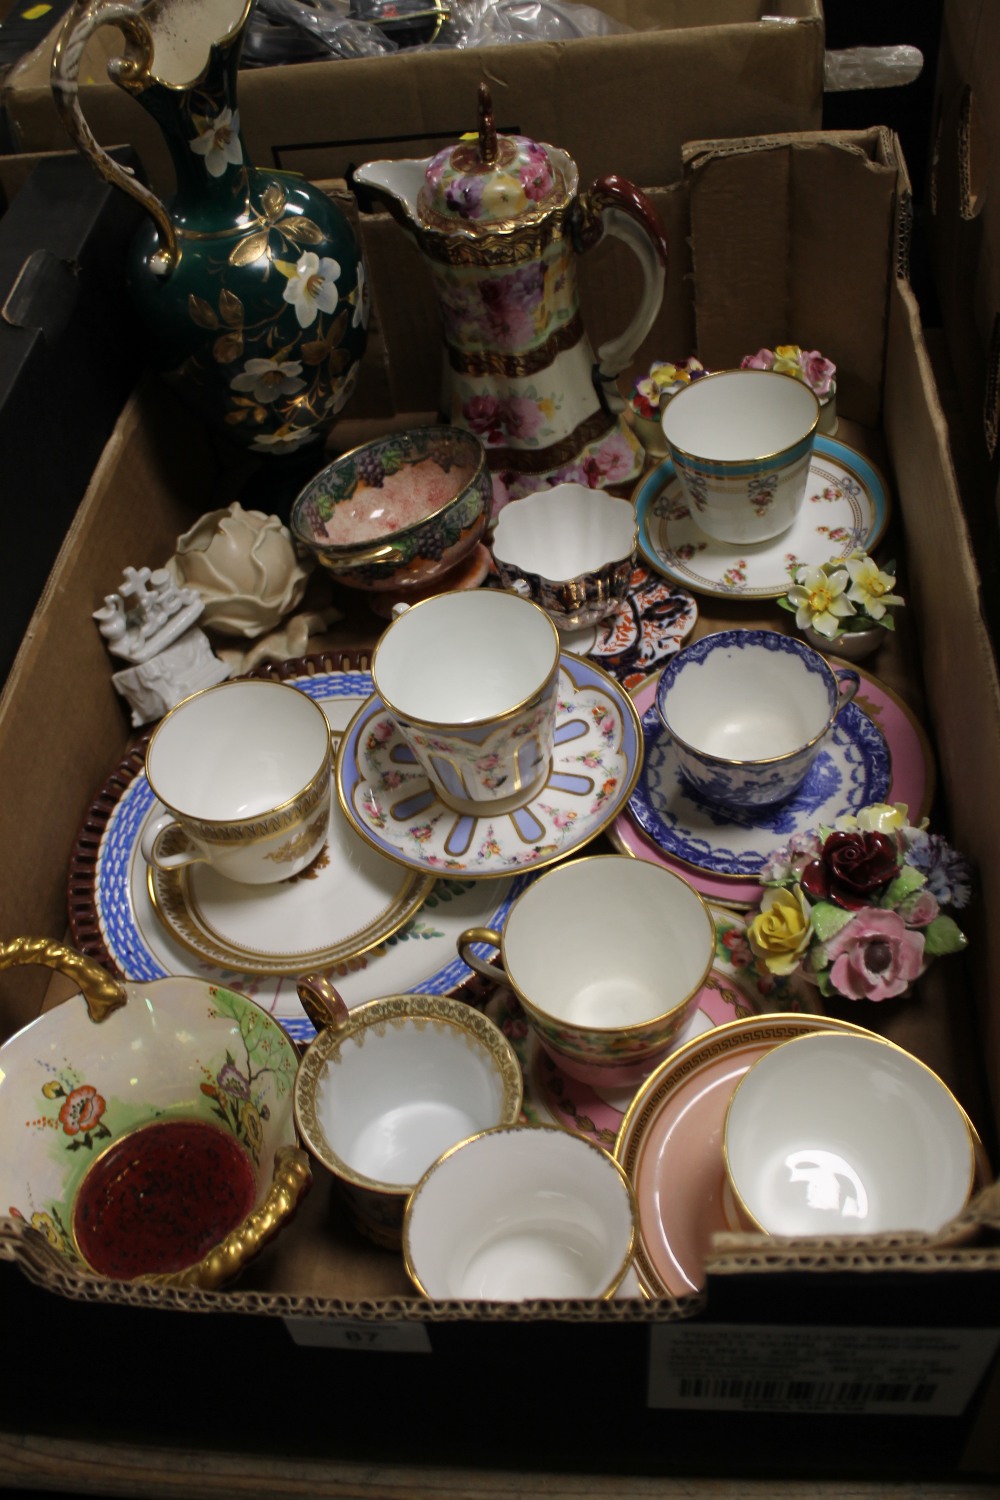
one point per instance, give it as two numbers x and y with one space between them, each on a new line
500 223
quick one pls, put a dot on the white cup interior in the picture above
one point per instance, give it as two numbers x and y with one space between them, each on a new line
465 657
520 1213
746 703
400 1096
739 415
846 1135
237 750
565 532
608 942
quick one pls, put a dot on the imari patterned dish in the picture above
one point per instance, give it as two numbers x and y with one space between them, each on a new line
846 506
179 1086
595 761
113 920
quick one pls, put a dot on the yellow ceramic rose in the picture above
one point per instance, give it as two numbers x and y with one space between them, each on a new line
781 931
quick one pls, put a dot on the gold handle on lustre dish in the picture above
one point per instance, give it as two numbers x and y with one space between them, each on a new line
100 990
130 73
321 1002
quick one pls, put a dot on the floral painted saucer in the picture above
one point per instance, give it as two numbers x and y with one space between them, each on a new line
846 506
912 782
595 762
650 624
112 918
852 769
732 991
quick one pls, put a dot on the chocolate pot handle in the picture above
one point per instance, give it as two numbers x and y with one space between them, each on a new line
617 207
128 72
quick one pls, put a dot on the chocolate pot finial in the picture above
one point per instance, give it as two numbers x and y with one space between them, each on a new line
487 127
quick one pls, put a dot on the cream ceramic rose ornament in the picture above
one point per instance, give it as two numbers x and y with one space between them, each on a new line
245 566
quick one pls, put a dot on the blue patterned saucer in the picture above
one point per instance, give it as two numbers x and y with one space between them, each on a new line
853 768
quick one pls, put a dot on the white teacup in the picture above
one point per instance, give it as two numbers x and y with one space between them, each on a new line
607 955
523 1212
387 1087
747 712
470 678
244 771
740 442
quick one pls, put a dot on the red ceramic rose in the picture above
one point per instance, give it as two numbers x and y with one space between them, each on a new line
851 868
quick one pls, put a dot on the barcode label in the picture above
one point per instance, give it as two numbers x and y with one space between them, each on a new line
925 1372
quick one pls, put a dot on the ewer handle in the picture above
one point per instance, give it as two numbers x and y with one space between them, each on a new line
80 24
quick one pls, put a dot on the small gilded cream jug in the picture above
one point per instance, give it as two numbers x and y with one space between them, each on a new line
500 223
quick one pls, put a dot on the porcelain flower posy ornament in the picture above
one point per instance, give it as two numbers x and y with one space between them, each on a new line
808 365
844 604
858 909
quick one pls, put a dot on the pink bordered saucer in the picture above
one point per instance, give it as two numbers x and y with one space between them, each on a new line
731 992
670 1145
913 777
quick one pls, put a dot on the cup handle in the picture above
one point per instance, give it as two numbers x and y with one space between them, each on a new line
321 1002
473 935
849 681
150 841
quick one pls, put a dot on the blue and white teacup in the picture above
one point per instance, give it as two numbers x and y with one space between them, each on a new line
747 711
741 442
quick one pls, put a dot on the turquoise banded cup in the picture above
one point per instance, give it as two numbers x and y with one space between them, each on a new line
740 442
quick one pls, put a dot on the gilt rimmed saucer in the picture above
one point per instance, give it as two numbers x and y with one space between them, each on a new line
595 761
846 506
852 769
113 921
913 780
347 901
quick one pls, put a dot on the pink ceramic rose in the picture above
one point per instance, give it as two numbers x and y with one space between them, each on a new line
875 956
817 371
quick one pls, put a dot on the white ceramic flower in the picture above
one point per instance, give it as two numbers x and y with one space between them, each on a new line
820 600
870 587
312 287
244 565
267 379
219 143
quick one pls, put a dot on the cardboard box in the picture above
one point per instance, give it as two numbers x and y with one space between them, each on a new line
600 1367
963 232
617 104
66 356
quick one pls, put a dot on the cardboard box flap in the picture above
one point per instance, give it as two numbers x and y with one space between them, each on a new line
623 103
807 270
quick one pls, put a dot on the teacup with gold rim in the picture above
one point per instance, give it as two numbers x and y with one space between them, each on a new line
244 771
387 1087
607 955
470 679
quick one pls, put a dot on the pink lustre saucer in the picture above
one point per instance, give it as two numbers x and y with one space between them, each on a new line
670 1145
912 782
731 993
595 761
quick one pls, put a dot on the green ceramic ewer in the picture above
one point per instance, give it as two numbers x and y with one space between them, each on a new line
250 282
